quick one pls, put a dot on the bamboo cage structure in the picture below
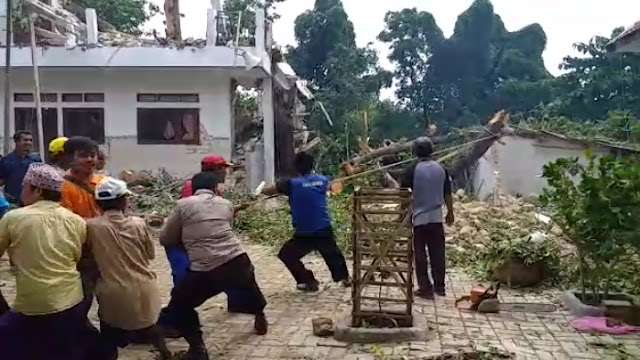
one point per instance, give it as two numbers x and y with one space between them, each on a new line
382 290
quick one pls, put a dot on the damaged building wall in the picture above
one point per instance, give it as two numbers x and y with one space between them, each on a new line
519 161
114 104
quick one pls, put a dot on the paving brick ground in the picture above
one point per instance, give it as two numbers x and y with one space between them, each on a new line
528 336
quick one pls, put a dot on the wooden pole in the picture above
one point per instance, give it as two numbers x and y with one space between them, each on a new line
36 78
7 78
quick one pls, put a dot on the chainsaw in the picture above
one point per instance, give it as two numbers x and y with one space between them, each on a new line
486 301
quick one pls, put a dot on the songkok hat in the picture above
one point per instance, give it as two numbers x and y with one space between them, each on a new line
44 176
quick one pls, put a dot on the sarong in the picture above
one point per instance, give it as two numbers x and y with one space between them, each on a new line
66 335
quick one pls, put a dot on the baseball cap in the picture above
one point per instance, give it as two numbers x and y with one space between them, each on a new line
215 160
56 146
111 188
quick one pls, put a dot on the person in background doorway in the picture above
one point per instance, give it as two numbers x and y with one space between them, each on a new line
431 187
101 163
48 319
56 154
202 223
312 225
127 289
14 165
78 196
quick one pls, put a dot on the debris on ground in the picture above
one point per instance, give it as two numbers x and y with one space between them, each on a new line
479 222
474 355
322 327
505 239
155 194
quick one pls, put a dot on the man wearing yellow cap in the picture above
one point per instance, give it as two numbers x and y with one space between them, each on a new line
56 154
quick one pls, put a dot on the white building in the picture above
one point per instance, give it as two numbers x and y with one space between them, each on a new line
149 107
515 162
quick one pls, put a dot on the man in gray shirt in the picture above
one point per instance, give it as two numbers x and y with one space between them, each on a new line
431 188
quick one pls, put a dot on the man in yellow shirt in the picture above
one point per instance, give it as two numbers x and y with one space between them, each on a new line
45 241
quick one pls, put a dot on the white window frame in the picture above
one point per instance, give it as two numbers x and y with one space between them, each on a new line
170 105
59 105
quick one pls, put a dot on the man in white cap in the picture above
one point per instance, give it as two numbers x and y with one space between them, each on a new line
44 240
127 289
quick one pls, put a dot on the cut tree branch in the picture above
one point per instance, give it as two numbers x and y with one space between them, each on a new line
492 131
464 157
398 148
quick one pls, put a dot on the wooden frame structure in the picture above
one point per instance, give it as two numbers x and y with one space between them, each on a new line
382 257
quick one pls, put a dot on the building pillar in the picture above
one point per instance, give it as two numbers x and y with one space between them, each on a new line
266 109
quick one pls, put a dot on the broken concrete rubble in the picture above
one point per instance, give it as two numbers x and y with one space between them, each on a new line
475 220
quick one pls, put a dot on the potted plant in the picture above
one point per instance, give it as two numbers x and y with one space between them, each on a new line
519 262
597 206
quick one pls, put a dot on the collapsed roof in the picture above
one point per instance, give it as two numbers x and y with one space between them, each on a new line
627 41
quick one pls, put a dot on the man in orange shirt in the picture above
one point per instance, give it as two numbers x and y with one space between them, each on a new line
80 181
78 189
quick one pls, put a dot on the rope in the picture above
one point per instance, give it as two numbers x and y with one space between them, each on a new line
451 150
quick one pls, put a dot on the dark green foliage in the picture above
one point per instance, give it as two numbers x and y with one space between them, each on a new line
345 77
456 82
125 15
597 206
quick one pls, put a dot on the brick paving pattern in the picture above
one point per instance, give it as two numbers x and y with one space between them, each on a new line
230 336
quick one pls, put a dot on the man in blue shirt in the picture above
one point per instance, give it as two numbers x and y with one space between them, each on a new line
312 224
13 166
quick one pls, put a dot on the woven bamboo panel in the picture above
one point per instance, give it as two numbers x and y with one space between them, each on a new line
382 257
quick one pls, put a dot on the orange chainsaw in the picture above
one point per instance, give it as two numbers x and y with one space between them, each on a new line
486 301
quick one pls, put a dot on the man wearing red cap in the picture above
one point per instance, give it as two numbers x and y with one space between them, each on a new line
208 163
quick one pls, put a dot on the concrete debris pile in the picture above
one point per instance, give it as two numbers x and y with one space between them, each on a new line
479 223
118 39
67 26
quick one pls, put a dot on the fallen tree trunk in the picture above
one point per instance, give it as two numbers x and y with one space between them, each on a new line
399 147
483 142
464 159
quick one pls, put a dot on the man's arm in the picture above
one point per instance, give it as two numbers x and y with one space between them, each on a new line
281 187
3 171
148 240
406 179
66 200
5 237
448 198
239 207
171 233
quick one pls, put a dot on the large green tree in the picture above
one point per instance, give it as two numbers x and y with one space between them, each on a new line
456 81
247 21
343 75
597 82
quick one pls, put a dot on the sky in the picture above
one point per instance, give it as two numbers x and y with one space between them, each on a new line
564 21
